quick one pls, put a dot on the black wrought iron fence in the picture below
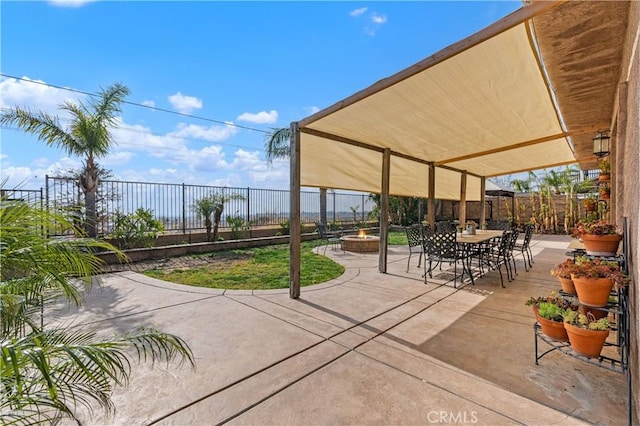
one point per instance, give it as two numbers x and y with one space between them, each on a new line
173 204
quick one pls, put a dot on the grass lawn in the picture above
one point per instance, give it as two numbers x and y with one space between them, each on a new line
260 268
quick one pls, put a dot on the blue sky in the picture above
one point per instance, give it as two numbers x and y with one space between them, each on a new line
258 65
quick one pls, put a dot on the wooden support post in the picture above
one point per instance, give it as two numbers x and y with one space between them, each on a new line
432 196
294 213
463 199
384 210
483 207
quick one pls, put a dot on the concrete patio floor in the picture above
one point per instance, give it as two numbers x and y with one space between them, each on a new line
364 349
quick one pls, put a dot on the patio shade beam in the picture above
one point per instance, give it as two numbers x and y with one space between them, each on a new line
432 195
384 210
550 165
294 213
462 214
519 145
483 207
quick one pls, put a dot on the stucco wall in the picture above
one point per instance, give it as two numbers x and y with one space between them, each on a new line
627 181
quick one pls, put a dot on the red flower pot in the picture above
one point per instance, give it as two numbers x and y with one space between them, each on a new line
552 329
586 342
567 285
601 245
592 291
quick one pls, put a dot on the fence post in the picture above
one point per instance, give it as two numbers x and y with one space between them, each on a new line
362 211
249 211
184 211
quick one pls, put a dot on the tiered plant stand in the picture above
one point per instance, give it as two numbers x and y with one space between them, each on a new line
620 310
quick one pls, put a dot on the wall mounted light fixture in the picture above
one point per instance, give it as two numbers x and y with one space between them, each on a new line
602 144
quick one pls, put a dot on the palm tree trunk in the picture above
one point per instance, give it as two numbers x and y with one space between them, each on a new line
90 208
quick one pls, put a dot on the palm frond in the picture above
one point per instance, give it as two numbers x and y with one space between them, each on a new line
277 144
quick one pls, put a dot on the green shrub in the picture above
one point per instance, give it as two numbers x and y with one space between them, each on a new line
137 229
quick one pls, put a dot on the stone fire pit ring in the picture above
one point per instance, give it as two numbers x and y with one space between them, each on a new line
360 244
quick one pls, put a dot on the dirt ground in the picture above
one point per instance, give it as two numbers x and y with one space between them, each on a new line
219 262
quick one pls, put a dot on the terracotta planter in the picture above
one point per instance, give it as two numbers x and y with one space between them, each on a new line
604 176
592 291
588 343
601 245
590 205
552 329
567 285
595 313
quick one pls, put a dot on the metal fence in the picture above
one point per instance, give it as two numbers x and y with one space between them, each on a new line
173 203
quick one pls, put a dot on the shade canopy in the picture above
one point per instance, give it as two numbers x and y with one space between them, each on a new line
483 106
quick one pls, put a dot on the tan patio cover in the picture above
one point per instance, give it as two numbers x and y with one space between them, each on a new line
485 109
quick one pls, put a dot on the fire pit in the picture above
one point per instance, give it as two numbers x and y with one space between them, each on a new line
361 243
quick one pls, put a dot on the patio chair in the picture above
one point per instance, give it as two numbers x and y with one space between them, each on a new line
330 238
511 260
524 246
441 247
445 226
414 240
496 255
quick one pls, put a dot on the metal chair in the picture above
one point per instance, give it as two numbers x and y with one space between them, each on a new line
524 246
496 255
331 239
513 237
414 240
441 247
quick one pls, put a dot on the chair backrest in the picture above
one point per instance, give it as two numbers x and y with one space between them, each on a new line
445 226
322 230
528 233
513 236
414 235
441 245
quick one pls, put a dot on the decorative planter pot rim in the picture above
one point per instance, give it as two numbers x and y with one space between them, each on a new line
601 245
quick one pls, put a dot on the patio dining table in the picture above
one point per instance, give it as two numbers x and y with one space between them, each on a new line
479 237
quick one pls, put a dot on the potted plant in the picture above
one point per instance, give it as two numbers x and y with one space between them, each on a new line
550 312
604 190
563 272
600 238
586 334
594 280
605 169
590 203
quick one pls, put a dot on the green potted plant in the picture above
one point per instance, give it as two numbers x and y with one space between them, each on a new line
563 271
594 280
600 238
550 311
586 334
605 169
604 190
590 203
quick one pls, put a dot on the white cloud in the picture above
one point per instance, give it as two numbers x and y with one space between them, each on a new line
378 19
311 109
261 117
69 3
213 133
35 96
185 104
117 158
151 104
358 12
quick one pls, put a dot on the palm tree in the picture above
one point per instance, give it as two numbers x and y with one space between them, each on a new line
277 146
213 205
49 372
87 136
